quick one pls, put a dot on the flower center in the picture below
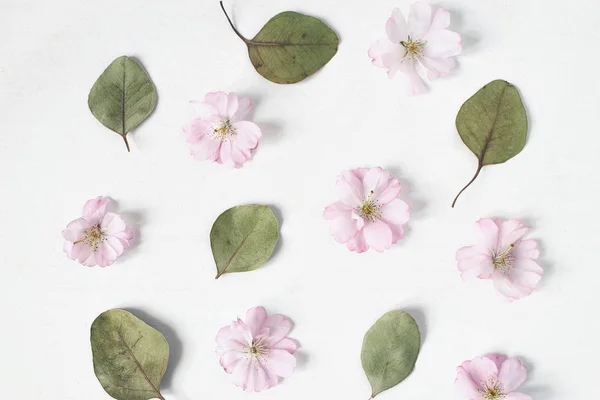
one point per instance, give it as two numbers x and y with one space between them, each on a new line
505 261
414 48
93 237
223 130
258 348
492 390
370 208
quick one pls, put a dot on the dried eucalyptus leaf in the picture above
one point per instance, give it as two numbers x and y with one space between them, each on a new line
290 47
389 351
130 357
493 125
243 238
123 96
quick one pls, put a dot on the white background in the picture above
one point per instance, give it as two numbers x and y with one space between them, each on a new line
54 156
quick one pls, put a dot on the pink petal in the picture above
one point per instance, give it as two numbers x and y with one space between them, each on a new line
343 228
281 363
336 210
517 396
381 48
349 189
87 257
112 224
396 27
257 381
247 134
526 249
239 155
395 212
219 101
113 246
230 360
419 20
197 129
241 372
473 264
244 108
358 243
232 105
438 67
230 338
75 231
378 180
378 235
225 156
498 359
413 83
286 344
481 369
442 44
512 374
520 281
206 149
510 232
441 19
203 109
279 326
488 234
94 209
255 319
397 231
465 384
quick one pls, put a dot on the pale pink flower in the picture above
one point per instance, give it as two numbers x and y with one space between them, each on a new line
98 237
257 351
420 48
503 255
369 213
491 377
219 132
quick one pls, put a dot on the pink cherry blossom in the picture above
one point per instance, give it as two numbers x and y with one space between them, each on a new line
421 48
491 377
219 132
98 237
369 213
257 351
503 255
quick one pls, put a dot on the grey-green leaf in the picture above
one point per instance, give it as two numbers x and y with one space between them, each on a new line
389 351
290 47
493 125
243 238
123 96
130 357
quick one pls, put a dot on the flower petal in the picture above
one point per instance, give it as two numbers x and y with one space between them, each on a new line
474 264
203 109
438 67
512 374
232 105
396 27
94 210
197 129
255 319
281 363
112 224
219 101
526 249
519 282
206 149
481 369
349 189
395 212
286 344
247 134
230 360
412 82
510 232
241 372
419 20
225 156
358 243
279 326
488 238
381 48
498 359
378 235
441 19
465 385
75 231
244 108
343 228
442 44
336 210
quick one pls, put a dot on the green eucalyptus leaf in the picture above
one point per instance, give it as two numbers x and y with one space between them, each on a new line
389 351
123 96
493 125
130 357
290 47
243 238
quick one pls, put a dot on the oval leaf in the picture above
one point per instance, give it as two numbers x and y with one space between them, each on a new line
290 47
123 96
389 351
493 125
243 238
130 357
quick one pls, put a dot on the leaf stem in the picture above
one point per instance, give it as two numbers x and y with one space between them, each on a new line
233 26
126 142
468 184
